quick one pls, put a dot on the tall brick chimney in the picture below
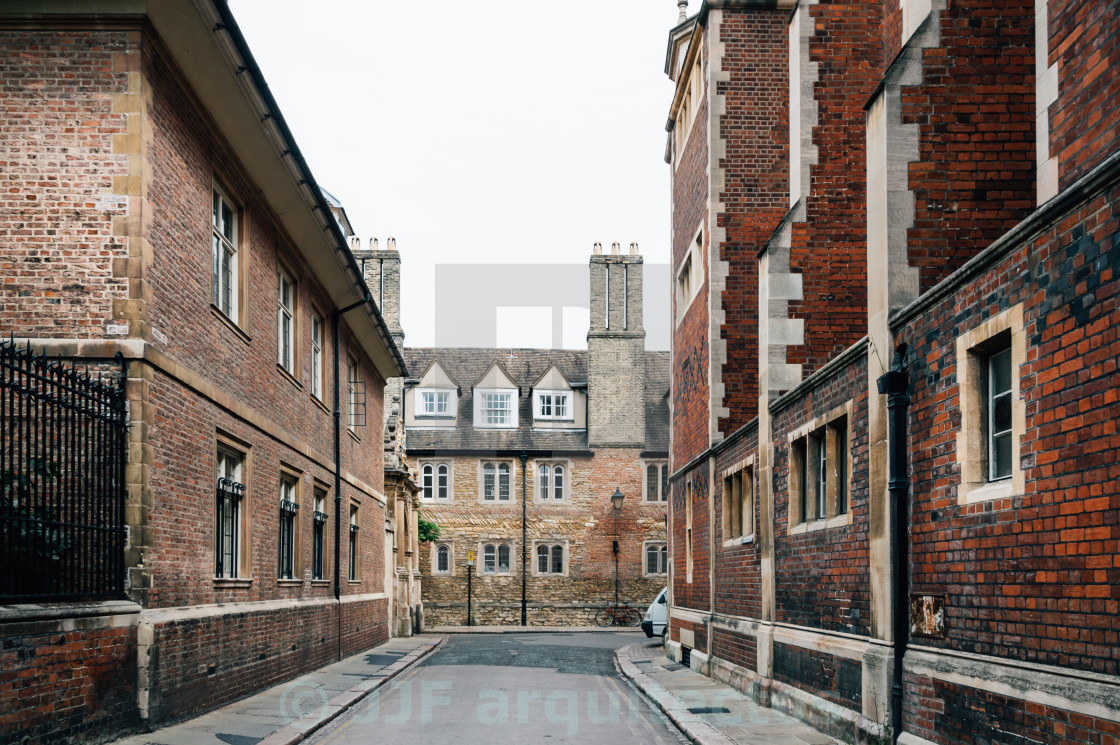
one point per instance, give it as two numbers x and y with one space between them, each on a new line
616 360
382 269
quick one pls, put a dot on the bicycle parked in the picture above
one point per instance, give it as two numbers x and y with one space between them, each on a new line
618 613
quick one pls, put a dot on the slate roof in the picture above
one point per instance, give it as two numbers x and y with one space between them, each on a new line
467 365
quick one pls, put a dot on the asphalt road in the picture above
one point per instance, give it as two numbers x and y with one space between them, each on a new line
485 689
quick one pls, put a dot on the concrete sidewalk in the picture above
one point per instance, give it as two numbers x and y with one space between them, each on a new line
529 629
289 712
707 711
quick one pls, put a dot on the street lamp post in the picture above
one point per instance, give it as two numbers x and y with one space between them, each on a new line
616 503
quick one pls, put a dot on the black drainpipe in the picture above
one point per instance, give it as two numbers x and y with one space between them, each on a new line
338 314
896 384
524 555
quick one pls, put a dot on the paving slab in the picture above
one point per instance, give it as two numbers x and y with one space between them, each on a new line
531 629
289 712
707 711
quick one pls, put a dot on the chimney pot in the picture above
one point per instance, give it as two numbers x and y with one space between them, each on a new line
372 244
634 248
598 249
682 5
615 250
355 243
391 244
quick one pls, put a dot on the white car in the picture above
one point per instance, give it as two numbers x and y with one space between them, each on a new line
657 615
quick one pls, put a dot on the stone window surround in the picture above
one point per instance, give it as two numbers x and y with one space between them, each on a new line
318 355
232 445
690 101
292 474
693 260
743 465
833 520
661 543
450 557
452 401
535 476
480 556
435 464
688 494
661 464
512 480
292 365
550 542
973 351
479 411
354 569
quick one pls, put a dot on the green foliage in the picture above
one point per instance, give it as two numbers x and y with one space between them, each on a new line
426 530
27 530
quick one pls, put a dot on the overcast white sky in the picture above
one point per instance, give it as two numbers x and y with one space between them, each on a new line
478 132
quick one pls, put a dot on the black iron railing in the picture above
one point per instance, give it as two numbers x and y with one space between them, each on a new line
63 446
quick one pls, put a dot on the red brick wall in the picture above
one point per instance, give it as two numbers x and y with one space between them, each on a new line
1083 121
975 178
822 576
755 129
1035 577
691 345
738 590
67 686
57 127
738 649
695 594
829 248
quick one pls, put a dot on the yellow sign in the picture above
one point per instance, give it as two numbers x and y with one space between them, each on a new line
470 556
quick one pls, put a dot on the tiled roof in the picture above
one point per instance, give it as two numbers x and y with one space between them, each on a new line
525 366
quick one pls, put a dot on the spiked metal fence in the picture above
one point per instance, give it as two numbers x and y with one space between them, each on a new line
63 447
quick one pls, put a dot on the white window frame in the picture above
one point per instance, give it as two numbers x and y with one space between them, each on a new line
552 545
431 474
662 487
690 275
662 558
231 465
539 402
990 400
825 443
285 322
481 411
497 465
436 394
552 492
224 247
316 355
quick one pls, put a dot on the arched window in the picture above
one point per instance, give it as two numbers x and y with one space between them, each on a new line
426 480
542 559
664 560
441 481
546 480
443 559
558 559
503 559
503 482
489 558
488 481
558 482
653 556
651 483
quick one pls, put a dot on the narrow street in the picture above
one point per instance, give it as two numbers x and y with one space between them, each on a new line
491 688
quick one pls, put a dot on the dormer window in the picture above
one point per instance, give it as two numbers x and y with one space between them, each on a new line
495 408
552 405
435 402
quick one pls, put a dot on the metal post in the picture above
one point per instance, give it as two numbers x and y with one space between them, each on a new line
524 555
615 573
470 571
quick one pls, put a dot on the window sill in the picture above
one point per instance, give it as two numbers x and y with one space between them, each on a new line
319 402
353 435
654 503
435 500
230 323
353 582
320 583
836 521
740 541
289 582
495 501
663 575
233 583
291 378
986 492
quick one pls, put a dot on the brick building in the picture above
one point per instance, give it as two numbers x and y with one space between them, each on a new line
156 206
518 453
894 495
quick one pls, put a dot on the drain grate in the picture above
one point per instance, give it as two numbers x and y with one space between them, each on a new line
686 656
708 710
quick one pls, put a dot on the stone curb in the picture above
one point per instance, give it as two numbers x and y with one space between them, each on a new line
303 727
530 629
695 727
